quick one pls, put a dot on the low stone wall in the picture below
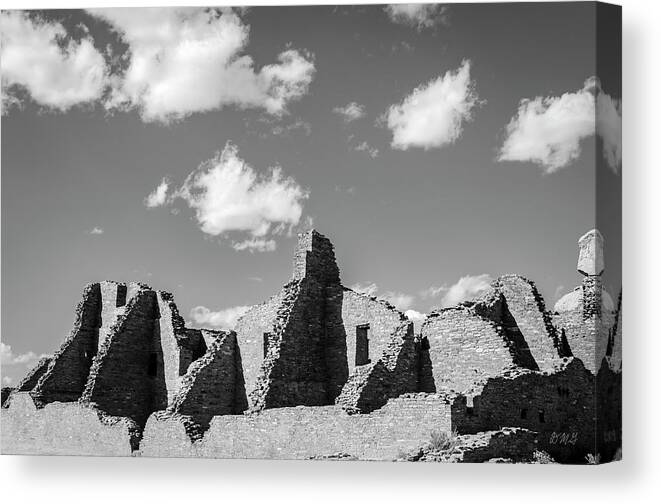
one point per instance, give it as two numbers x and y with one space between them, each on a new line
559 405
403 424
63 429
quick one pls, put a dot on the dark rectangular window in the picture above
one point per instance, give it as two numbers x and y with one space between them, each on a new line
362 345
541 416
265 344
524 414
152 368
121 295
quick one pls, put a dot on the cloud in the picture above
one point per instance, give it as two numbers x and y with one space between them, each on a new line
369 289
96 231
159 196
255 245
434 113
25 360
433 291
224 319
229 196
365 147
187 60
418 16
609 128
467 288
416 317
286 130
7 381
350 112
398 299
39 57
548 130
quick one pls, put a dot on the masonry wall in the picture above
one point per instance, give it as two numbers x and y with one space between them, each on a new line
179 346
393 374
465 348
66 375
403 424
63 429
127 378
214 383
294 371
559 405
115 296
587 337
527 306
30 380
383 319
251 329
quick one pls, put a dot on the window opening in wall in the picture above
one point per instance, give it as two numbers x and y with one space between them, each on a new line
152 368
524 414
541 416
362 345
121 295
265 343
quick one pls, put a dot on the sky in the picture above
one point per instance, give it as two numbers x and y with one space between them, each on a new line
438 147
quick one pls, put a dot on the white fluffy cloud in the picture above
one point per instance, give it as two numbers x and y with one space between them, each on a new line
227 195
467 288
548 130
398 299
188 60
350 112
159 196
419 16
15 365
40 58
433 115
415 316
96 231
224 319
9 358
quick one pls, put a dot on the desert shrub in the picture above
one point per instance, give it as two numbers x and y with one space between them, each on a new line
593 459
542 457
442 440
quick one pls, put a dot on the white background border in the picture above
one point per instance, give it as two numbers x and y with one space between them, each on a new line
636 479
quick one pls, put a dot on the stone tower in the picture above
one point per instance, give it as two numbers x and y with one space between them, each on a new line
591 266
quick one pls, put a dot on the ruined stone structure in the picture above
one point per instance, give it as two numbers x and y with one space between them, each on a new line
321 371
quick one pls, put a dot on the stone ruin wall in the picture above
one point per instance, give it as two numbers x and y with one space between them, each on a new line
465 347
558 405
403 424
489 350
120 381
361 310
214 383
393 374
179 346
252 329
64 428
527 306
66 375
